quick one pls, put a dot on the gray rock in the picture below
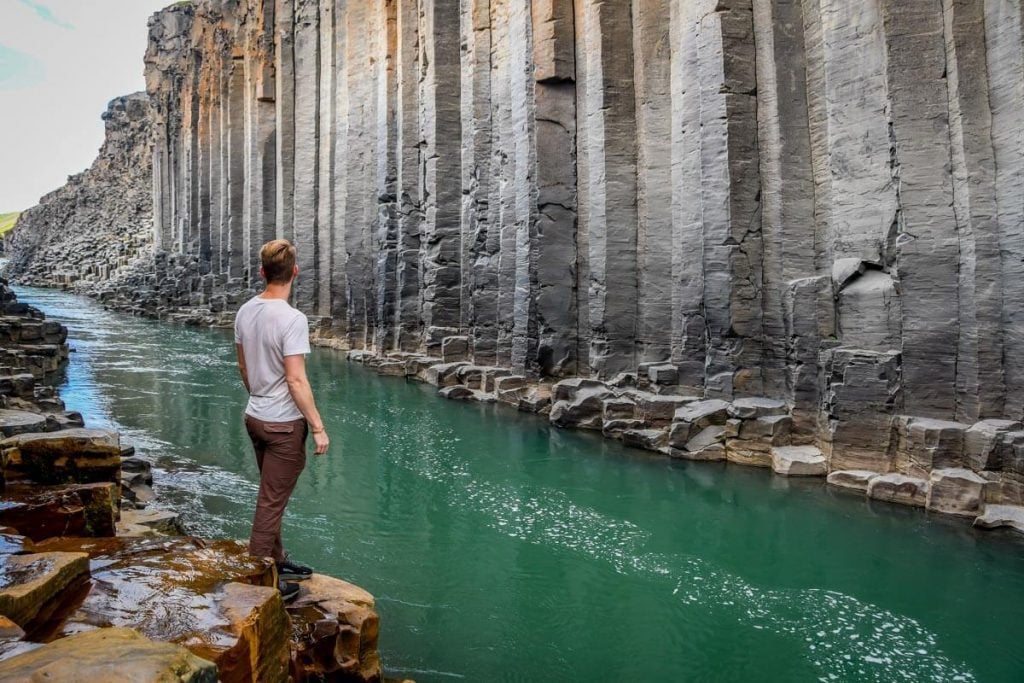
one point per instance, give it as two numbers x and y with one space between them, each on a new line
856 480
798 461
899 488
957 491
995 516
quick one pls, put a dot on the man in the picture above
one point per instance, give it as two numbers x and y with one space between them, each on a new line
272 340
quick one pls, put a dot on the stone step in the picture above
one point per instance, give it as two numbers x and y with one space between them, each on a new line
798 461
31 584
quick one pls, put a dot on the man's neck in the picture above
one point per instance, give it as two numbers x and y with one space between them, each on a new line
277 291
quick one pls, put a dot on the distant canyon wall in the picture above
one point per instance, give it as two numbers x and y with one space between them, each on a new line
99 225
817 200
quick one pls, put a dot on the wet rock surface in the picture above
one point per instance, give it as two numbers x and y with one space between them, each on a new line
112 655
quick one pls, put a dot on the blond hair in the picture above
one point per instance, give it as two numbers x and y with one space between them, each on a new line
277 257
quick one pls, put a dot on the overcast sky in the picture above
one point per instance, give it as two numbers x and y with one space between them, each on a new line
61 61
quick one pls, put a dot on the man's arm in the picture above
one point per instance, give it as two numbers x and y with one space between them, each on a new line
302 394
242 370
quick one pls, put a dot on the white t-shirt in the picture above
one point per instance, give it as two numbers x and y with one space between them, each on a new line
269 330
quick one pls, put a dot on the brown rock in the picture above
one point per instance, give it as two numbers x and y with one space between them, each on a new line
68 456
30 585
110 655
334 631
798 461
75 510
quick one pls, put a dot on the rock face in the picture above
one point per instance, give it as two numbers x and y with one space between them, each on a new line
808 211
113 655
732 199
98 225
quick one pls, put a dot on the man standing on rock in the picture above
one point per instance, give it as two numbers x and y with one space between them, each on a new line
272 340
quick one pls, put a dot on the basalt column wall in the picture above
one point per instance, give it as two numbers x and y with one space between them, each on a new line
816 200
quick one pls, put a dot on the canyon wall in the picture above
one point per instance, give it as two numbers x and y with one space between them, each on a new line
98 226
767 194
816 200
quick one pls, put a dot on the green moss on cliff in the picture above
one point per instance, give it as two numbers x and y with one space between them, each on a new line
7 221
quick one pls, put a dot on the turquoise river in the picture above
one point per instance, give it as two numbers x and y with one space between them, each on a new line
502 549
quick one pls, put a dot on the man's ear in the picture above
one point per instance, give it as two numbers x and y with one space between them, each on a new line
295 270
262 274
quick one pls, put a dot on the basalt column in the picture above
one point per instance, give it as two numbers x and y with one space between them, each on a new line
608 181
441 135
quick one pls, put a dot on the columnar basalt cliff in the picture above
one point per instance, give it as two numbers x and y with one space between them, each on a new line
95 228
818 201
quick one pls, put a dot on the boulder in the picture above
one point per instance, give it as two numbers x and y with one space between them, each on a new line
613 429
748 408
456 392
14 422
712 453
709 436
334 632
925 444
441 374
657 410
31 585
899 488
40 512
68 456
567 389
391 368
957 491
855 480
752 453
110 655
647 439
703 413
583 410
454 349
798 461
994 516
773 428
981 443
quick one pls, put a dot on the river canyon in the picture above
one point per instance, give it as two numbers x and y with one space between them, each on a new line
501 549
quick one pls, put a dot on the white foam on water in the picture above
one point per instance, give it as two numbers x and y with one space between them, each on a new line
844 638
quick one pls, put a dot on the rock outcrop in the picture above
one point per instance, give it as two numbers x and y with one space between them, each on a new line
99 225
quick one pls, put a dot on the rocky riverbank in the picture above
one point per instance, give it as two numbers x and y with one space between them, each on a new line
96 583
971 470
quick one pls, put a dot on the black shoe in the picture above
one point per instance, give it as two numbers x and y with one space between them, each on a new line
286 569
288 590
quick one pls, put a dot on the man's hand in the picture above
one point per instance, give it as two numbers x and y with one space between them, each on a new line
321 440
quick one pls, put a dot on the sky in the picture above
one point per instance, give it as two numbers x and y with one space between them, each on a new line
61 62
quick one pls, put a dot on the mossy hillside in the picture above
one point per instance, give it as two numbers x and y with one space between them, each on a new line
7 221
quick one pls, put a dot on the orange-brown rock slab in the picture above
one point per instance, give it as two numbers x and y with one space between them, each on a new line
41 512
334 632
210 597
31 585
65 457
110 655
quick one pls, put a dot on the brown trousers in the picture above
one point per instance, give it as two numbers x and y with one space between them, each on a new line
281 455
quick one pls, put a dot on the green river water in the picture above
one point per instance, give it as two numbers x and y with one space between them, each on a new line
501 549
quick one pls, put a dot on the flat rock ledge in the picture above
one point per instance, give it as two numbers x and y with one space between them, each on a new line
942 466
